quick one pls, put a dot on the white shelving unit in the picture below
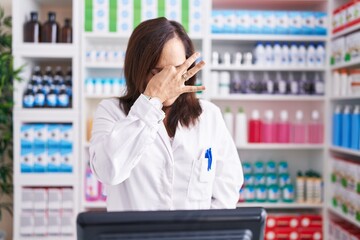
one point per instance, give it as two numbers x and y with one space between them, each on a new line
346 31
347 151
287 206
265 97
29 55
269 37
267 68
265 146
343 216
350 64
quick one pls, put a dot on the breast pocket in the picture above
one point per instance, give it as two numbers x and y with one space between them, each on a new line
202 176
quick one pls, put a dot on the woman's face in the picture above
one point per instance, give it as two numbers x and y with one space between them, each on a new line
173 54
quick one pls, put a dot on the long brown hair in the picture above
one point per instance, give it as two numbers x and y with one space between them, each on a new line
143 53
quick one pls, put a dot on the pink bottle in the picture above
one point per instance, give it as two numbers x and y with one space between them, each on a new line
269 128
283 128
299 128
102 191
255 127
91 186
315 129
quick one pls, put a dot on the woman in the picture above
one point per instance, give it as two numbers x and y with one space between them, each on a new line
159 147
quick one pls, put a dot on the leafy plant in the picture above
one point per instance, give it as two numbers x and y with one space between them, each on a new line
7 76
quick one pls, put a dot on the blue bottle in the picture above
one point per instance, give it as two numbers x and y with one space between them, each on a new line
337 126
52 97
63 99
346 128
29 97
58 79
355 126
39 101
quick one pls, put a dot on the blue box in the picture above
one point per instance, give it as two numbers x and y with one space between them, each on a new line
243 21
269 22
54 160
66 136
218 21
40 160
67 160
40 135
321 23
230 23
308 23
281 22
26 136
53 135
256 22
295 22
26 160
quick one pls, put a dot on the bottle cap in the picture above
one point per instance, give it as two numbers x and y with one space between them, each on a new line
36 68
356 109
34 16
269 115
284 115
315 115
255 114
299 115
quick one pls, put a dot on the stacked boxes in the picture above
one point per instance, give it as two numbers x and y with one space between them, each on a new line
122 16
46 148
346 16
47 212
269 22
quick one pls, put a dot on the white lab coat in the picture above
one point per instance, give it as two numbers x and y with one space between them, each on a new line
143 169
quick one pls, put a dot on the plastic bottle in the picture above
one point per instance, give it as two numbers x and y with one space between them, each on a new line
259 54
269 128
68 82
58 79
227 59
315 129
47 80
337 127
294 84
311 56
39 100
52 97
320 55
36 77
32 29
241 128
283 128
319 84
285 55
277 54
238 59
63 98
306 85
236 83
29 97
50 30
300 188
355 126
255 84
224 83
281 83
294 55
336 83
269 84
91 186
255 127
215 58
342 84
299 128
346 127
102 191
229 120
66 32
269 55
302 55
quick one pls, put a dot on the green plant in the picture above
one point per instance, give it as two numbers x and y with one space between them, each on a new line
7 76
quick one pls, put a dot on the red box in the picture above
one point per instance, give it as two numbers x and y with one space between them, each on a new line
310 233
310 221
282 234
286 221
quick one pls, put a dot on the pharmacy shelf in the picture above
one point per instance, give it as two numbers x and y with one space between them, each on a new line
283 205
268 97
349 64
91 96
46 179
270 37
290 146
47 237
46 50
343 216
345 151
125 37
104 65
94 205
265 4
46 115
340 98
267 68
346 31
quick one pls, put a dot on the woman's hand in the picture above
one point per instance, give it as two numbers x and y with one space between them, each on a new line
170 81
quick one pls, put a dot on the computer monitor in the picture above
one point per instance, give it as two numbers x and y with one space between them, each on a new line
230 224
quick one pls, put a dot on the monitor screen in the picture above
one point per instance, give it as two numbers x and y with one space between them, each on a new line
230 224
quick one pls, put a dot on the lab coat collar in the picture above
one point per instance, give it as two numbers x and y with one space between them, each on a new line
166 140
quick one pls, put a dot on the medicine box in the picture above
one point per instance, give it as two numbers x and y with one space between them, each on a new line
269 22
26 224
67 160
218 21
40 224
53 160
54 199
149 9
54 223
229 21
125 16
67 223
196 17
26 136
67 198
321 23
26 160
173 10
66 136
53 135
308 23
243 21
281 22
40 199
27 199
256 21
40 160
295 22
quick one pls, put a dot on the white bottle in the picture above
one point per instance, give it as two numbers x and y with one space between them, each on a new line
343 81
310 56
269 55
260 54
214 82
224 83
238 58
241 128
229 120
277 54
285 52
294 55
227 59
281 83
215 58
319 84
336 83
294 84
301 55
269 83
320 55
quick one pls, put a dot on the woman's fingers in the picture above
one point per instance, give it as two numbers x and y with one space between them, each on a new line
194 70
186 89
184 67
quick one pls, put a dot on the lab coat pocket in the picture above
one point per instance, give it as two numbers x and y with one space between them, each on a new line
202 177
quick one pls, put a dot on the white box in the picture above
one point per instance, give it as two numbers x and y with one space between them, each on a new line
53 135
40 135
54 223
101 19
26 135
230 21
53 160
217 21
67 135
256 21
281 22
243 21
26 160
67 198
197 18
67 223
54 199
149 10
125 16
173 10
67 160
27 199
40 224
40 199
26 224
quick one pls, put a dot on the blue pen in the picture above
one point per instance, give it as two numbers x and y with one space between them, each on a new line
208 155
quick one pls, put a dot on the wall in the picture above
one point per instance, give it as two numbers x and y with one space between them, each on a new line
7 220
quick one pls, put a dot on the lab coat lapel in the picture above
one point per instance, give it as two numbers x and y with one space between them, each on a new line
165 138
178 138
